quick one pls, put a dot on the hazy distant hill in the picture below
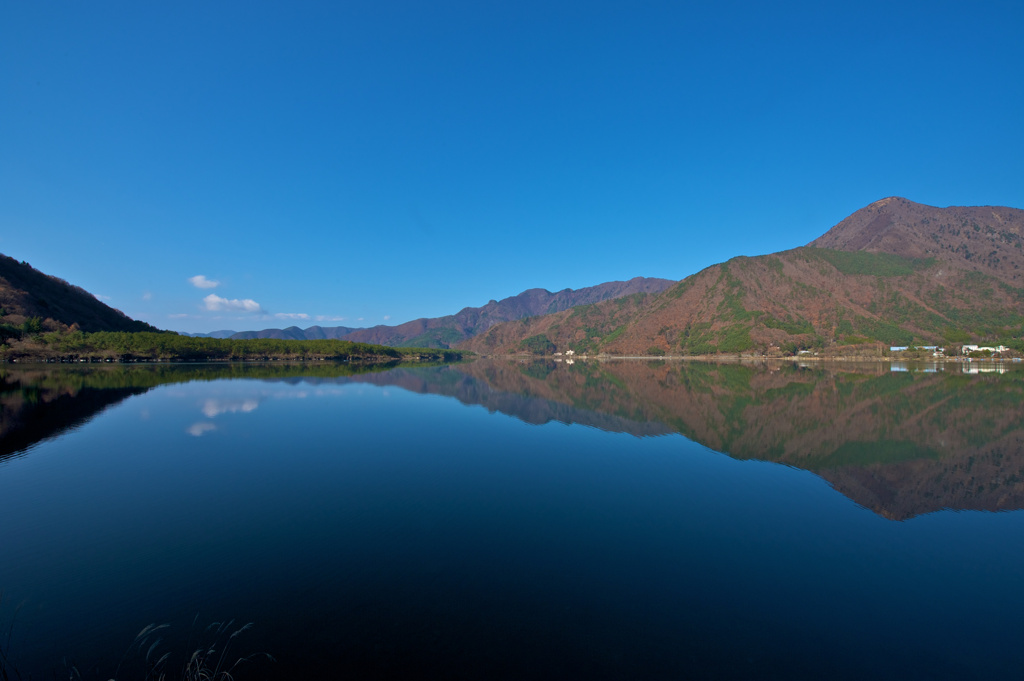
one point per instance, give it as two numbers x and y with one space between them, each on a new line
443 332
225 333
26 292
295 333
894 272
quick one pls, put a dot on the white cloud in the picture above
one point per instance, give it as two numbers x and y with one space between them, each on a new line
178 316
329 318
215 303
387 317
292 315
100 297
199 281
147 296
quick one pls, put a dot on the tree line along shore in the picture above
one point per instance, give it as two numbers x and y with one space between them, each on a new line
33 345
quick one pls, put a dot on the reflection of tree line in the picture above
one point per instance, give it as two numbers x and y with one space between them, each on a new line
146 375
900 443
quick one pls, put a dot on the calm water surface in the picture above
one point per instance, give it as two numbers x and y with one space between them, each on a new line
503 520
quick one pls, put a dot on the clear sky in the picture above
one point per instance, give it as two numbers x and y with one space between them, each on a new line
243 165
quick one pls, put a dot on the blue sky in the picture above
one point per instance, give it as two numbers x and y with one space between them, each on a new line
343 163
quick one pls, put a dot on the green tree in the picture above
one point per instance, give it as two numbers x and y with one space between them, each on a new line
538 345
32 326
8 331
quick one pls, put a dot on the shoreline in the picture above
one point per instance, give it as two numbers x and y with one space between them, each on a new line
733 359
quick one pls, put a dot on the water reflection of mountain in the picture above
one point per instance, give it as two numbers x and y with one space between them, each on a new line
527 403
38 402
34 409
901 443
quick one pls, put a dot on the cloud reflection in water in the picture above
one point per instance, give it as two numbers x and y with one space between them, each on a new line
200 427
213 407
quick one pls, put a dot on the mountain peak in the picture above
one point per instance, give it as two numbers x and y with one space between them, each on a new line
881 203
893 201
980 238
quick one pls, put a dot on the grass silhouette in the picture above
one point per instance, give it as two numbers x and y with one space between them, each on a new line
146 657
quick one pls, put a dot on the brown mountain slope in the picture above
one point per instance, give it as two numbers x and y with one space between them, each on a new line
443 332
26 292
929 287
987 239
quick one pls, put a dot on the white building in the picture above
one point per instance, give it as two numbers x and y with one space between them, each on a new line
982 348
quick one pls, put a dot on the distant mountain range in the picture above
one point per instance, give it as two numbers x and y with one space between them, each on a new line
25 292
226 333
444 332
895 272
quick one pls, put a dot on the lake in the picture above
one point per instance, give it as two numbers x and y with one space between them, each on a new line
510 520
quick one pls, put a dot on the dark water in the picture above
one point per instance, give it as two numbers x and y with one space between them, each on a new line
505 520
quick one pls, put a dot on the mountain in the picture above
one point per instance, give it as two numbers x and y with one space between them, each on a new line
28 293
225 333
893 273
295 333
976 238
443 332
